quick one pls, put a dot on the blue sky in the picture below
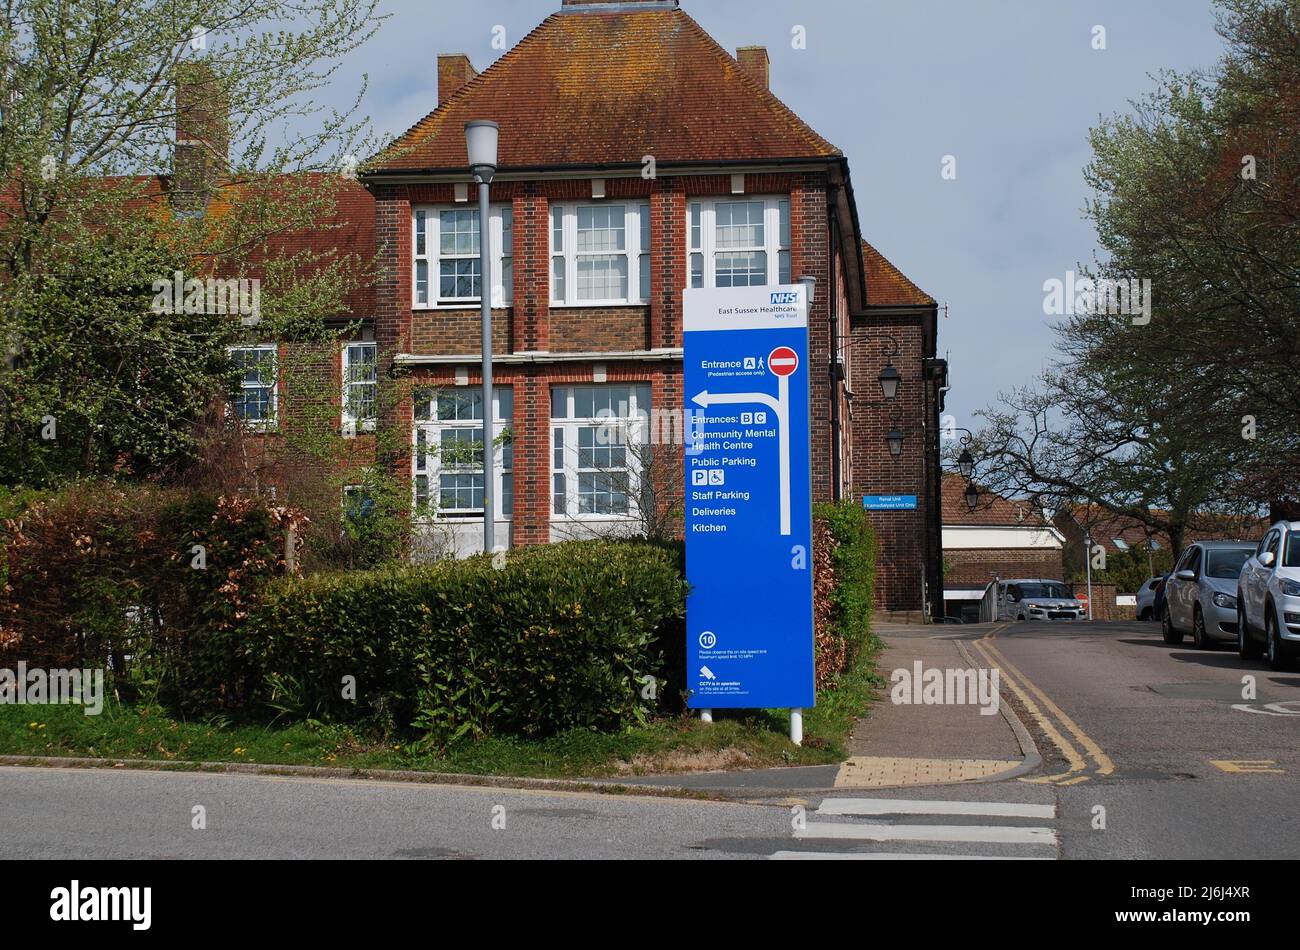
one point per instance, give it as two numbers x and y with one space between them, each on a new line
1008 87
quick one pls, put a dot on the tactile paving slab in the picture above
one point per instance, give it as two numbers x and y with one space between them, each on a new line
869 771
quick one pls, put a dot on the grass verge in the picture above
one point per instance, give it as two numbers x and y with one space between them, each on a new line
750 739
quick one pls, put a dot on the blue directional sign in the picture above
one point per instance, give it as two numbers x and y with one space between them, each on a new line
749 616
889 502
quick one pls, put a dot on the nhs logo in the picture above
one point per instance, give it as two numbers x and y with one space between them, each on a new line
788 296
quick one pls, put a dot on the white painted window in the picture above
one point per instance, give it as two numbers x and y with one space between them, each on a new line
360 387
257 401
447 457
596 455
446 256
743 243
600 254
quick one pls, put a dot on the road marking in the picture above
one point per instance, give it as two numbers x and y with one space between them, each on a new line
899 806
1104 764
1270 709
917 842
1247 766
1072 755
895 856
977 834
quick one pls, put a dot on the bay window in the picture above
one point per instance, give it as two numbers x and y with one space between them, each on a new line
597 435
447 458
600 254
448 272
741 243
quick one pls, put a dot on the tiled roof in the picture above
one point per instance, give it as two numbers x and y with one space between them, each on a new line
608 88
346 235
349 233
1106 526
993 510
887 285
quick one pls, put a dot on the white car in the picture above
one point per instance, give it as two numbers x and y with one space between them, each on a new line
1268 598
1146 598
1038 599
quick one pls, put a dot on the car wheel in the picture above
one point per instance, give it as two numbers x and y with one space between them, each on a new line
1145 615
1278 659
1199 636
1167 628
1247 648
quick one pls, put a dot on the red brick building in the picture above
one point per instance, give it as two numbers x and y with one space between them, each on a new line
637 158
1002 538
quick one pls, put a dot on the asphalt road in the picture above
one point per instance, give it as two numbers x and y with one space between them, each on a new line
1145 723
1195 776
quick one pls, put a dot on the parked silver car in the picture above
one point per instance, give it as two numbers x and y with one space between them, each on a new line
1201 594
1038 600
1146 598
1268 598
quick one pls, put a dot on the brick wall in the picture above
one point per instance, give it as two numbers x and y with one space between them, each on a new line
901 534
810 257
975 567
596 329
454 332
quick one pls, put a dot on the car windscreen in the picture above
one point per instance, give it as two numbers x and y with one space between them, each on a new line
1292 558
1043 590
1227 563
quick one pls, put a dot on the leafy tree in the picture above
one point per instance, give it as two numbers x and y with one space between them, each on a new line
1192 411
89 112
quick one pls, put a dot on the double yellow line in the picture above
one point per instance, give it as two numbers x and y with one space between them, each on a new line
1040 705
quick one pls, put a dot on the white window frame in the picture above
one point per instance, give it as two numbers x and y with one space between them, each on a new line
636 221
563 443
502 257
351 424
702 244
428 465
272 421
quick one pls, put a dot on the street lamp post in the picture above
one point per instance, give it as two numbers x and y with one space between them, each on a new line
1087 561
481 143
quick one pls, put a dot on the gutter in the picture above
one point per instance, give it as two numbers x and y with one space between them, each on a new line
612 170
541 358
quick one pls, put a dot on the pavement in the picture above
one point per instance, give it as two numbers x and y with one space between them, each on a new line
1143 751
898 744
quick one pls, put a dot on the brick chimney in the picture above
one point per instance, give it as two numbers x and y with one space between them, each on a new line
454 70
202 151
754 60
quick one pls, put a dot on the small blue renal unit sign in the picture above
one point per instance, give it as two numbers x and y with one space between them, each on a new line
889 502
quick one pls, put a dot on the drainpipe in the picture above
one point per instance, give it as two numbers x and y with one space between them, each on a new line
837 441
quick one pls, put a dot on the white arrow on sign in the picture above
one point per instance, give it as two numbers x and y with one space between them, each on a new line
781 406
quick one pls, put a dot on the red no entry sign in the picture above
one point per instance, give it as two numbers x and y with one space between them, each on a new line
783 361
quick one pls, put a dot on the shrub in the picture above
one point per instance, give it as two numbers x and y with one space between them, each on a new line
559 637
105 575
852 597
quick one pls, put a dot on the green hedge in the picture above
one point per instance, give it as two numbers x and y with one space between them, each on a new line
558 637
104 575
854 558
